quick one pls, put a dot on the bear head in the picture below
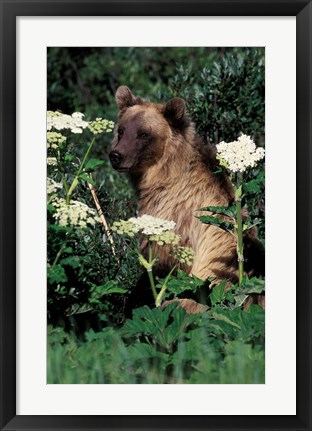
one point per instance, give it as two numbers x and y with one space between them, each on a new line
144 130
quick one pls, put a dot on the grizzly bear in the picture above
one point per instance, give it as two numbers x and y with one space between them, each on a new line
175 174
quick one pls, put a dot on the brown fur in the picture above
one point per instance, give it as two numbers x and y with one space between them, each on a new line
173 172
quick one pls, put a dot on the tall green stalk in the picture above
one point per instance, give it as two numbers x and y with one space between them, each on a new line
239 247
76 179
59 253
164 287
150 270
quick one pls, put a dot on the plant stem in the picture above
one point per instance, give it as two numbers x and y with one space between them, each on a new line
76 179
85 157
240 255
101 215
71 189
150 271
59 253
64 183
151 279
164 286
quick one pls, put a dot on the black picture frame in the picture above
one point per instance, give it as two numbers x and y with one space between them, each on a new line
10 9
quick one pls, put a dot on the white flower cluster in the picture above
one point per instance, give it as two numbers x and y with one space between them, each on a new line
54 139
51 161
100 125
76 213
53 186
150 225
61 121
239 155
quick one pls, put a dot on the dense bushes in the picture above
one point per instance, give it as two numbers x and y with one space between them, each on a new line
89 281
223 87
226 99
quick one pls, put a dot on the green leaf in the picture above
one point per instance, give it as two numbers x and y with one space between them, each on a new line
257 311
240 299
87 178
57 274
68 250
181 283
92 164
252 285
229 295
222 224
227 211
108 288
141 351
218 293
58 228
78 309
72 261
164 325
254 186
143 321
180 324
223 318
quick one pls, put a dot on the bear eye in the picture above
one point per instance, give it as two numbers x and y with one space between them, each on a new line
120 132
143 135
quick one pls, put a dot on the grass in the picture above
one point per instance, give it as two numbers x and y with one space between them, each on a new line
164 346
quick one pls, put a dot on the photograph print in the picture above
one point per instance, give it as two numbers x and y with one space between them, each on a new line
155 215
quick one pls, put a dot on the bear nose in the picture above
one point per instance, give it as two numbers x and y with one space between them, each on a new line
116 158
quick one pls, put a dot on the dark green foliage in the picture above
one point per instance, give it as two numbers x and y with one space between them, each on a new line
249 287
227 98
219 222
253 203
253 199
227 211
255 185
222 224
88 277
181 284
92 164
85 79
165 346
218 293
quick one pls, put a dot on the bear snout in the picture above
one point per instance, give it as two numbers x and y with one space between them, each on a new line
116 158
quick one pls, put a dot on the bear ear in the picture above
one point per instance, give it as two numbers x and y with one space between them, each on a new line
125 99
175 112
